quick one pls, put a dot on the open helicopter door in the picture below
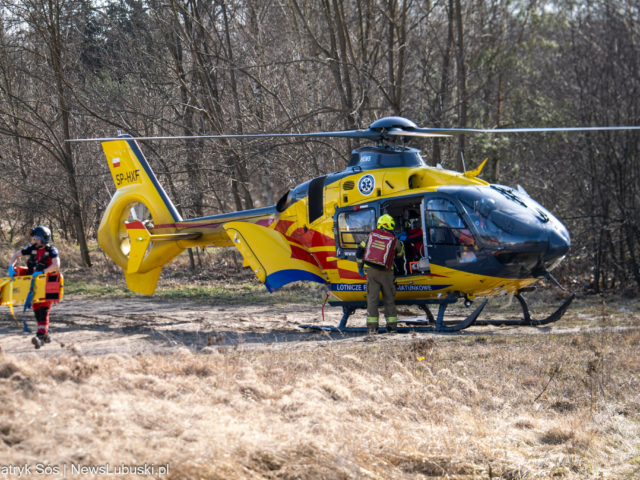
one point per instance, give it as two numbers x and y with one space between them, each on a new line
448 238
423 264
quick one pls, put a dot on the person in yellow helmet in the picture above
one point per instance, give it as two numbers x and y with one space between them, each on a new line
376 254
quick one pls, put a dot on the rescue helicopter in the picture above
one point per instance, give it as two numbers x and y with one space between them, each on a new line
464 238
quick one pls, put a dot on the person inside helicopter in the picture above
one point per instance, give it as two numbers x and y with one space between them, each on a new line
480 217
413 232
408 229
444 227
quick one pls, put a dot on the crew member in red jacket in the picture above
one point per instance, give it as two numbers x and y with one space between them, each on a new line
43 259
378 253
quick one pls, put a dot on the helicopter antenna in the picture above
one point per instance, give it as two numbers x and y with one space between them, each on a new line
463 164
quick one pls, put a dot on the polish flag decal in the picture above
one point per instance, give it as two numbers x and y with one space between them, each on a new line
116 162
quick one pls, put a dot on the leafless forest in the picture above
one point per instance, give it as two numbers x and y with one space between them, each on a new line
79 68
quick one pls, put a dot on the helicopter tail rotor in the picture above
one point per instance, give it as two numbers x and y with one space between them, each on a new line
137 230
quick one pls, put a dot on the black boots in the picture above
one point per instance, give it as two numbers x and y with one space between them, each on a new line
39 340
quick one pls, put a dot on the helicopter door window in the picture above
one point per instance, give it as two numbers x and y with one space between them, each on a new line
354 227
445 226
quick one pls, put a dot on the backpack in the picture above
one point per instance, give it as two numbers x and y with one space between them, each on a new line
380 248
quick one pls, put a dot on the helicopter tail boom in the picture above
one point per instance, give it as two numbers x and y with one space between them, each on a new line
142 231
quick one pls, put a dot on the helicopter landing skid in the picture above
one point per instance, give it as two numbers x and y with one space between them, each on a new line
431 325
527 319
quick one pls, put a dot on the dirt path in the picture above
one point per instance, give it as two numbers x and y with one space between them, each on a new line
140 326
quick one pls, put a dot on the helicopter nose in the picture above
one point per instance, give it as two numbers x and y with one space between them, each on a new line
559 243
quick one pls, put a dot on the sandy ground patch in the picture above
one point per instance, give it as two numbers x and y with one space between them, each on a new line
149 326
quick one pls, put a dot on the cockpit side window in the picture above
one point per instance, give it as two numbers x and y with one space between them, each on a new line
444 224
388 161
377 158
354 226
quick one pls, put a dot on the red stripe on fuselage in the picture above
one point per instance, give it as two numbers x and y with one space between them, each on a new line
263 223
283 226
348 274
310 238
302 254
313 239
189 225
203 225
321 258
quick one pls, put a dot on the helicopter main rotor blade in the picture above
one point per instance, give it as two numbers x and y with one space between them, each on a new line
462 131
364 134
385 128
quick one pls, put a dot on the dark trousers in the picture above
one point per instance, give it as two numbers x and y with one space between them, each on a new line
381 281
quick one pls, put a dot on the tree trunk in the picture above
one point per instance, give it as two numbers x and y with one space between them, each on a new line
195 200
241 171
55 51
495 171
635 270
444 81
462 83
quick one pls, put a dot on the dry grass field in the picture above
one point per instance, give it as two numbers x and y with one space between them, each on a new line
561 406
213 377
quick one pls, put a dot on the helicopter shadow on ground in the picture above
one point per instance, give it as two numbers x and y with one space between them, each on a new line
168 334
104 339
101 327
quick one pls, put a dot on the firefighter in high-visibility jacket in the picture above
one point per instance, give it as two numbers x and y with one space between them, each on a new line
376 255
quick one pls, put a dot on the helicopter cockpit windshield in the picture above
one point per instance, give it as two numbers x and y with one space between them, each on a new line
501 217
